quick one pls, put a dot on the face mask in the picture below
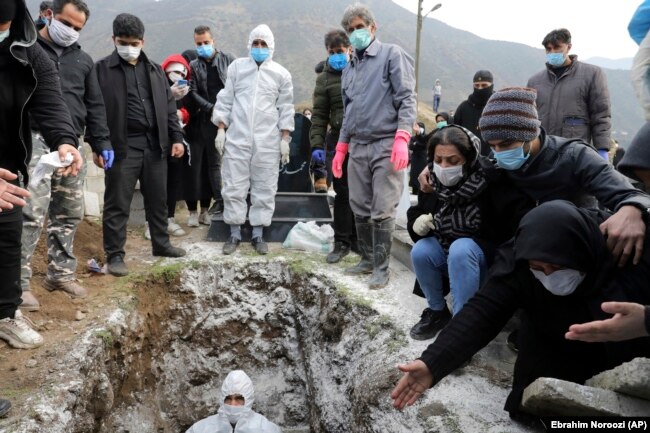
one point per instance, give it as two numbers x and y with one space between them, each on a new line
205 51
482 95
41 21
128 52
4 35
441 124
511 159
448 176
175 76
338 62
259 54
560 283
308 116
360 39
61 34
234 413
555 59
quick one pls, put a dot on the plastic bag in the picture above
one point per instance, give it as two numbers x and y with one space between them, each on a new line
310 236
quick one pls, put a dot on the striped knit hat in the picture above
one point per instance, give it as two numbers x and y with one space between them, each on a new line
510 115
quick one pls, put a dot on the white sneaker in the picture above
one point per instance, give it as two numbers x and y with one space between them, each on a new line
205 218
173 228
18 332
193 220
147 233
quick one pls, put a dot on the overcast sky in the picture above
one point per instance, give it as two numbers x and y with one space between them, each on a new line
598 27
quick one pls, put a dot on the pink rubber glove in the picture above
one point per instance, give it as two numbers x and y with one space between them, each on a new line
400 155
339 157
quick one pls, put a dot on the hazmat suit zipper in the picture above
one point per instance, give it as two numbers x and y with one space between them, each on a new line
252 125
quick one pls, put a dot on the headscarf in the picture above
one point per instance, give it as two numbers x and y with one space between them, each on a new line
176 58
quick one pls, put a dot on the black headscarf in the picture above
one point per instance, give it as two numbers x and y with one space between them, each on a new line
7 10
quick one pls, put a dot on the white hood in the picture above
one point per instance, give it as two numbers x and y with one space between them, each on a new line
262 32
238 382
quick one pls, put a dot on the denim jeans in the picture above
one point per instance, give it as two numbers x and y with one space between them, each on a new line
465 266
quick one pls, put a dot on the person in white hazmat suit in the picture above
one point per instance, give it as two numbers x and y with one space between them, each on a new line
254 113
236 413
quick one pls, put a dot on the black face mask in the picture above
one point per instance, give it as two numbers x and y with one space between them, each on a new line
481 96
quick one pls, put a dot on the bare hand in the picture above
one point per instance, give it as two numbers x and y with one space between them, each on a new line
625 233
410 387
178 150
423 178
628 323
10 194
98 160
77 160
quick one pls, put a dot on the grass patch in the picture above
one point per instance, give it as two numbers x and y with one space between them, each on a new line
106 336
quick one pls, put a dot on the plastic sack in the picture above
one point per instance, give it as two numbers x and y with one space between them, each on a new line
310 236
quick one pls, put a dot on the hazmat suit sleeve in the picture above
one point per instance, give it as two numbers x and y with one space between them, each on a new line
402 78
344 135
223 108
640 78
284 104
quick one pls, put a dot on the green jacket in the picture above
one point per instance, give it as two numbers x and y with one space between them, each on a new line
328 107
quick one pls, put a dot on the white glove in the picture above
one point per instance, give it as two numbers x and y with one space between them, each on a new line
220 141
424 224
179 92
285 149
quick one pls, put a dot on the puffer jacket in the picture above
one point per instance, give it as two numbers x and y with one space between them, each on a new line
327 107
199 81
576 104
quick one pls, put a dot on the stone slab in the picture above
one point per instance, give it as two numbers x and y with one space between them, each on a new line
631 378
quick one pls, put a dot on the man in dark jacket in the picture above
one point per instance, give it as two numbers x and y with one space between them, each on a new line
61 197
28 83
572 97
469 111
209 73
328 111
141 113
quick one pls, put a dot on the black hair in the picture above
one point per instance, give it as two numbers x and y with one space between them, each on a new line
128 26
444 115
189 55
455 136
557 37
307 109
336 38
199 30
58 5
45 6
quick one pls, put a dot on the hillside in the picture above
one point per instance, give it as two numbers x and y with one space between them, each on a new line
450 54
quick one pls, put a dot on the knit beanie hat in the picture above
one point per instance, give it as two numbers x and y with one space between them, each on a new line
510 115
483 75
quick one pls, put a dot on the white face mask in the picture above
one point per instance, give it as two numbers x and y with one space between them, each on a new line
4 35
128 52
175 76
61 34
234 413
562 282
448 176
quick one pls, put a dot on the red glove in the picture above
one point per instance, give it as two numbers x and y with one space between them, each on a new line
400 155
337 162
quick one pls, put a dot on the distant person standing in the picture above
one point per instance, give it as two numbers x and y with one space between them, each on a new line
256 107
209 73
144 127
437 94
572 97
469 111
379 103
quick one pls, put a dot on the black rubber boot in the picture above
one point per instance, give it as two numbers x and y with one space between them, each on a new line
383 236
364 236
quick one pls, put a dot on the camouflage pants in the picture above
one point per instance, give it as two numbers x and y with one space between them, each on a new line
61 199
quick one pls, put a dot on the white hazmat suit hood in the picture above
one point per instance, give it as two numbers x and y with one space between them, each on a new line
237 382
264 33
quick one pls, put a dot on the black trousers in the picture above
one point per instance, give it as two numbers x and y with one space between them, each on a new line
344 229
150 168
205 174
11 229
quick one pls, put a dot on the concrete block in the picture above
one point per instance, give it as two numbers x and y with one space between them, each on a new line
95 184
92 170
91 204
554 397
631 378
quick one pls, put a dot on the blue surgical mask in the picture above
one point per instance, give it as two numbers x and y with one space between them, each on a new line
562 282
205 51
555 59
338 61
441 124
259 54
511 159
4 35
360 39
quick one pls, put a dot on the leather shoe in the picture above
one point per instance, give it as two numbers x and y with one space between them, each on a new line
70 287
430 323
260 246
30 303
340 250
217 207
170 252
230 246
5 406
117 267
